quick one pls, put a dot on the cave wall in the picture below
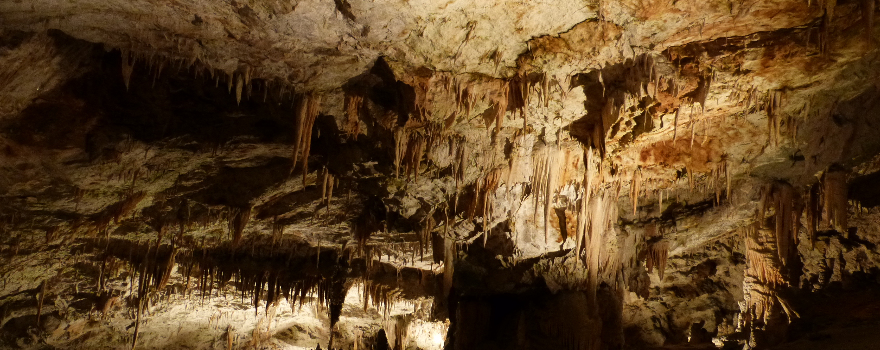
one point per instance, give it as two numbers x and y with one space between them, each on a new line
418 174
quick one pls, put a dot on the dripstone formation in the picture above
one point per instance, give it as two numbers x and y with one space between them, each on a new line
425 174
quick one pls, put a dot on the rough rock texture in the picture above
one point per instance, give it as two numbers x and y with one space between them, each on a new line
438 174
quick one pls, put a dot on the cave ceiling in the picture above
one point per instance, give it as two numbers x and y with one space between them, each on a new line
358 174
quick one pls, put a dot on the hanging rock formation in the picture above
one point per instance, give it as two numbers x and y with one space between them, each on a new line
438 175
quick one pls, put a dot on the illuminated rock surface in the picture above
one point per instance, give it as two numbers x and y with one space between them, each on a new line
361 174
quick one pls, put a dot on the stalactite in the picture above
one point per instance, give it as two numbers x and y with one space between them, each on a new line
693 123
327 187
727 178
166 271
401 139
448 263
239 85
238 219
501 104
137 322
41 296
835 204
868 15
306 113
353 104
425 235
813 212
128 61
635 188
586 194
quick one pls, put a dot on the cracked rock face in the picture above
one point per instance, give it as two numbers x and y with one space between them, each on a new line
357 174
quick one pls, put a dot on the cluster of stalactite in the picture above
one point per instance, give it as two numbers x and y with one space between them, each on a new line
771 255
601 218
771 247
287 274
764 313
187 215
415 151
657 254
397 330
261 277
241 81
762 256
116 212
826 205
775 121
785 204
411 147
545 182
501 95
306 112
484 193
381 296
596 206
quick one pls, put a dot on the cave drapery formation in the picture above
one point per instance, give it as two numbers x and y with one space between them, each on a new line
360 174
